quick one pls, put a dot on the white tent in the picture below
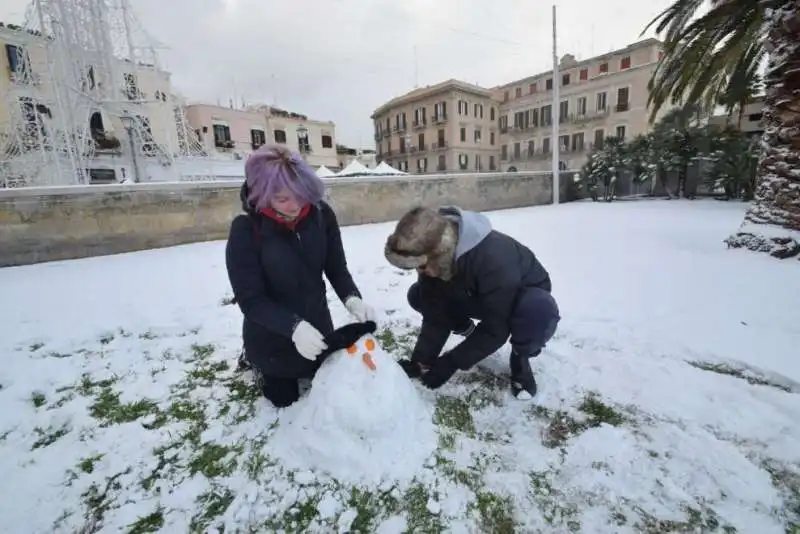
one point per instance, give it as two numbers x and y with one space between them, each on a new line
386 170
325 172
354 168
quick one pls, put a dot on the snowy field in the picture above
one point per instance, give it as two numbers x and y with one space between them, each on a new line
669 402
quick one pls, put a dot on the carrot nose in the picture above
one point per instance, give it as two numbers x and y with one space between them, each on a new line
367 359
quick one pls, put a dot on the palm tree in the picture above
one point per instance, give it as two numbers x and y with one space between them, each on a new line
705 58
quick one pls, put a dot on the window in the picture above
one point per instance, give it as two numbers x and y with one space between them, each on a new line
463 135
599 135
131 88
622 99
565 79
577 142
491 138
19 64
491 114
601 101
422 164
222 136
303 143
478 111
421 141
442 166
257 138
584 75
625 63
563 111
476 136
440 138
621 132
563 143
531 88
603 68
518 92
440 111
518 119
419 117
505 96
547 115
492 165
402 145
327 141
280 136
478 166
463 107
531 147
503 123
548 84
504 152
546 145
463 161
535 117
581 111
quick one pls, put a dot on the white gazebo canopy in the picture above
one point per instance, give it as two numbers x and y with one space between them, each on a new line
385 169
325 172
354 168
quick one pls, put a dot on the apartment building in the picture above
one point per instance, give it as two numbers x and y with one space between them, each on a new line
447 127
599 97
752 118
235 133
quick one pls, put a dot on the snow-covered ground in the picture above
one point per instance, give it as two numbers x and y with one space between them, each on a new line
669 397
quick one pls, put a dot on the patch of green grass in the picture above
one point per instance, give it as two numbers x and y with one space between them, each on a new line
787 481
109 410
38 399
453 413
400 344
561 425
698 519
370 505
496 513
213 504
49 435
214 460
152 522
201 352
87 464
419 518
149 335
553 504
97 501
738 372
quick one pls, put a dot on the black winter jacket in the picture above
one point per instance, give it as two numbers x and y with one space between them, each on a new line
492 269
276 276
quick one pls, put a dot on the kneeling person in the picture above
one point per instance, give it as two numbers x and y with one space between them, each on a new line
469 271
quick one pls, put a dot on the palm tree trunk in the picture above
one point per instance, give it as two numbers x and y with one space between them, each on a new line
772 222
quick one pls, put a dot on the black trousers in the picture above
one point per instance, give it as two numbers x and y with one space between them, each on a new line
281 392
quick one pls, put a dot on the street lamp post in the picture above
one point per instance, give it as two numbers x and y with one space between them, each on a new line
127 123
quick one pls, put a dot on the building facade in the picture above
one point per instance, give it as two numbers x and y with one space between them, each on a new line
459 127
605 96
447 127
234 133
752 118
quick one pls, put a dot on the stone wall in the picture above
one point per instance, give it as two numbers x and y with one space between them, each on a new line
46 224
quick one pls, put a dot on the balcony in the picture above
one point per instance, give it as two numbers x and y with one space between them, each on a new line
419 125
387 134
378 136
439 119
400 128
436 147
623 106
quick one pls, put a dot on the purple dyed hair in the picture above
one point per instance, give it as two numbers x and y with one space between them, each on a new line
272 168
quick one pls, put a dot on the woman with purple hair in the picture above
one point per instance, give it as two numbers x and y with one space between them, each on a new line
276 255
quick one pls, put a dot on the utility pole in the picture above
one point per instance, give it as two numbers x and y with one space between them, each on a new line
556 118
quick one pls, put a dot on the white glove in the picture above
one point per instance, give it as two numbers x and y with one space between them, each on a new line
362 312
308 341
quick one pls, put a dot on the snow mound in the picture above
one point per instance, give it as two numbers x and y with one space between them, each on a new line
363 421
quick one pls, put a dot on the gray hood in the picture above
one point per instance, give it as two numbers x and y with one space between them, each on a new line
473 227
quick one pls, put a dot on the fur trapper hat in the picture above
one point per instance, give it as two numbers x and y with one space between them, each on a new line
423 236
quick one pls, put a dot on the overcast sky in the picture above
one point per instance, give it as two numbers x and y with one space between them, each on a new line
340 59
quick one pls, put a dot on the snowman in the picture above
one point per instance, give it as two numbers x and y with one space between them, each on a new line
363 420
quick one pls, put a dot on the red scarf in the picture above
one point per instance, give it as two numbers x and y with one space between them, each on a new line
290 223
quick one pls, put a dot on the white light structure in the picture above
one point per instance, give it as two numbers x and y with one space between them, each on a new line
79 67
